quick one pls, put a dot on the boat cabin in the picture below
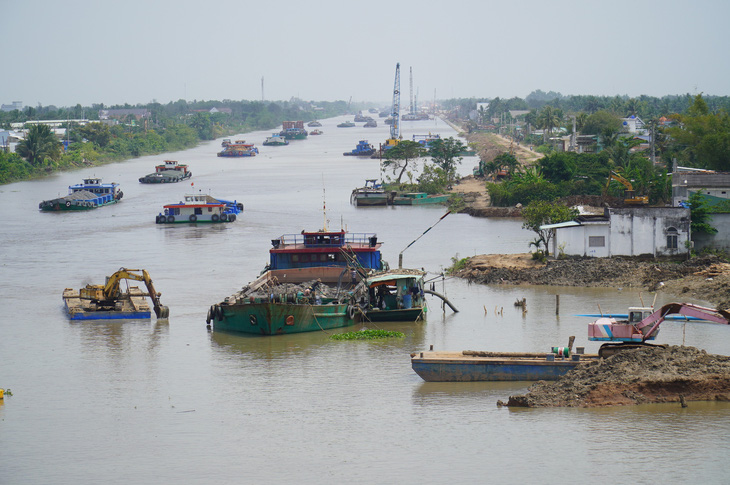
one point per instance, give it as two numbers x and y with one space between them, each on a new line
324 248
104 193
171 165
196 204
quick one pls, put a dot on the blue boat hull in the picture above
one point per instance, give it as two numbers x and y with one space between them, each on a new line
504 369
110 316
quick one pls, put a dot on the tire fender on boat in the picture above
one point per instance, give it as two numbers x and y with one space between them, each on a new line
215 218
193 218
162 220
170 218
351 312
224 217
68 203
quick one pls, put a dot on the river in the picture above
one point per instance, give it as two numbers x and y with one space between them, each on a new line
157 402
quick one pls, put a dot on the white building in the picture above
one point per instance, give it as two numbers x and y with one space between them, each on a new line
626 231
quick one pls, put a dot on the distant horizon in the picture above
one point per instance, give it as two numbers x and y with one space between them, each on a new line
372 103
85 52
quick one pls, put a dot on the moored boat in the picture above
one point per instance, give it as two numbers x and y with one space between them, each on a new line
371 123
371 194
363 149
276 140
346 124
168 172
314 123
89 194
307 285
315 132
395 295
199 208
469 366
239 150
419 198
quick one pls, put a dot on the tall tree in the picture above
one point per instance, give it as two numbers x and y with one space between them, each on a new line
549 118
40 143
446 153
400 155
703 138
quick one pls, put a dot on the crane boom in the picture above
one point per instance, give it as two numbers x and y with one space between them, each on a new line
395 127
111 291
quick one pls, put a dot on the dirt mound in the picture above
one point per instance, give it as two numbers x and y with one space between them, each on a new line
704 278
648 375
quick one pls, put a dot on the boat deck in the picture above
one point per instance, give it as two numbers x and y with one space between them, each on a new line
441 366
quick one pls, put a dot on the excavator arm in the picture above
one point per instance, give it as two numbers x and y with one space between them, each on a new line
648 326
111 289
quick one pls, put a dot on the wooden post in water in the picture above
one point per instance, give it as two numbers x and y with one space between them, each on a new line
557 304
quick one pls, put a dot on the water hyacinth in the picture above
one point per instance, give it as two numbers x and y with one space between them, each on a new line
367 335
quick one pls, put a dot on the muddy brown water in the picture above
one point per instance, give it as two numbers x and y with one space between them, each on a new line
163 401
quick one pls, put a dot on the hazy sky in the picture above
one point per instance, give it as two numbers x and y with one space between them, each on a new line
66 52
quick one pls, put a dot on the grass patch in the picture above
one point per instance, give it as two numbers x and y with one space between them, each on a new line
367 335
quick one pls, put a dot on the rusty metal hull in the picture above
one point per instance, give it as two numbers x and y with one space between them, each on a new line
456 367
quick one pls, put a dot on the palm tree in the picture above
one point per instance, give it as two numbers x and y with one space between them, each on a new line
39 143
549 118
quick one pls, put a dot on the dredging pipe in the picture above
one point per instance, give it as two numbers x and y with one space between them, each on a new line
446 300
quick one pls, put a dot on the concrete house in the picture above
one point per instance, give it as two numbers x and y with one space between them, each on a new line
715 188
625 231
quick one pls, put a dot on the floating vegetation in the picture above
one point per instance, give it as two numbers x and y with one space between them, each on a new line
367 335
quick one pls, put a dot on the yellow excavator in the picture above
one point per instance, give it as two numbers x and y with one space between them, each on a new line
110 296
630 197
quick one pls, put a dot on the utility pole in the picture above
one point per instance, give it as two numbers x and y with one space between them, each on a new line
653 141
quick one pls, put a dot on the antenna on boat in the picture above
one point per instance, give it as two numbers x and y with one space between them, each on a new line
324 204
400 255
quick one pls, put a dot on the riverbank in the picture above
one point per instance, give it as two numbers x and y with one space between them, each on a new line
703 278
649 375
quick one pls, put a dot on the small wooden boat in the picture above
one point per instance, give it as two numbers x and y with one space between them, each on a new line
315 132
468 366
395 296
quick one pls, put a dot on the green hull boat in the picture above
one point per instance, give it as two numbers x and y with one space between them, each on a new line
278 318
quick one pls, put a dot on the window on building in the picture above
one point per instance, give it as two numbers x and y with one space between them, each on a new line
596 241
672 238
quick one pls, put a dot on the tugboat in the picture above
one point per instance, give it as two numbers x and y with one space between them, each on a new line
168 172
276 140
306 287
199 208
363 149
293 130
315 132
239 150
314 124
85 196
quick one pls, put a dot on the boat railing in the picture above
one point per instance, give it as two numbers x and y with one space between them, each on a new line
333 240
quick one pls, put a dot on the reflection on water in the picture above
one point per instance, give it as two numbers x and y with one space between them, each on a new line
298 408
